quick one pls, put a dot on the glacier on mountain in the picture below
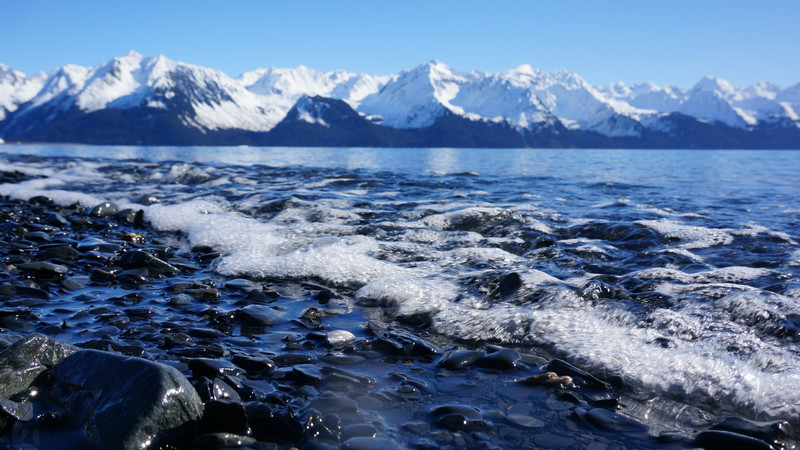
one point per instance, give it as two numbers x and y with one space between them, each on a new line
522 98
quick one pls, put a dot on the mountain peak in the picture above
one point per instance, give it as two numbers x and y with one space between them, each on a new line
713 84
522 98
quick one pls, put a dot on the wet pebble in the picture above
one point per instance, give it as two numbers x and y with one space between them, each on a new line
212 367
608 420
258 315
459 359
778 432
104 209
253 364
339 337
368 443
358 430
43 268
290 359
141 259
224 416
525 421
502 359
223 440
726 440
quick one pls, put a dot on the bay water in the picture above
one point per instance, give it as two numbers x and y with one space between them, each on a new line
673 273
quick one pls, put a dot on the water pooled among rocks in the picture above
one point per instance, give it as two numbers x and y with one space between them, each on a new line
400 298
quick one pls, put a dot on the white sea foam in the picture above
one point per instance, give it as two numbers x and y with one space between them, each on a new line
697 366
690 236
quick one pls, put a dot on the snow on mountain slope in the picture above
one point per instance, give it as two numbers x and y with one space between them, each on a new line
417 97
17 88
498 98
647 96
280 89
579 105
789 98
710 99
258 100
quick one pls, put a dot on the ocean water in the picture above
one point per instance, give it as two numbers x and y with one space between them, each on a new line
675 273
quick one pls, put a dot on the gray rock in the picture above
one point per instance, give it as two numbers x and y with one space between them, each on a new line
258 315
122 402
23 361
44 268
133 259
104 209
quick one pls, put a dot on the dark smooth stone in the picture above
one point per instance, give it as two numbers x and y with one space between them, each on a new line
258 315
223 440
308 374
459 359
337 375
139 258
63 252
40 200
342 359
241 284
37 236
253 364
503 359
323 430
133 276
205 351
202 294
212 367
331 403
24 360
273 423
91 243
146 200
258 390
224 416
358 430
205 333
405 344
453 421
56 219
43 268
129 215
367 443
726 440
608 420
779 432
134 400
104 209
469 412
110 345
23 291
102 276
15 410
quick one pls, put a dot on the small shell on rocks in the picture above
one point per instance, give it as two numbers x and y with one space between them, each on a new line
549 379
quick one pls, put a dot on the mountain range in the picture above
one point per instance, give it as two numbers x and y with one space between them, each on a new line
139 100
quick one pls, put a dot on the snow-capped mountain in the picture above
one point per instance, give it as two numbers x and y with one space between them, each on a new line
136 99
17 88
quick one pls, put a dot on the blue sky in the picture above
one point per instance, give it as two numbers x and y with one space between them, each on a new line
668 42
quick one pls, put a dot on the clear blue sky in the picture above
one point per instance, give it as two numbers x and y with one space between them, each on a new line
667 42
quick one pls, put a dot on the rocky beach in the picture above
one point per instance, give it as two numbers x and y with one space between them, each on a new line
117 333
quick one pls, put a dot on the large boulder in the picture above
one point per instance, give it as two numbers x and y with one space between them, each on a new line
117 401
24 360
